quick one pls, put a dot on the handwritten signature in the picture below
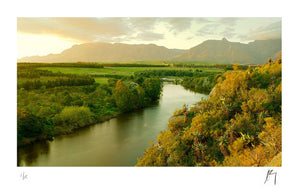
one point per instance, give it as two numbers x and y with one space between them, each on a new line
270 173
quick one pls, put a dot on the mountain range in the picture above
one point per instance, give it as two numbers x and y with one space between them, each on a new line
219 51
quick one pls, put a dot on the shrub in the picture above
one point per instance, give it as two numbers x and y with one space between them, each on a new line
74 116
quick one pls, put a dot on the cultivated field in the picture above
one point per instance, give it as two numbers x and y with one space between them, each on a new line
100 73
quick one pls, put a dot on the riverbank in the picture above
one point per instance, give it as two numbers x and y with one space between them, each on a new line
59 131
115 142
239 124
43 113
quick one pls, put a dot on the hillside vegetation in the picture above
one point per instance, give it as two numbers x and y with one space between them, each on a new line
239 125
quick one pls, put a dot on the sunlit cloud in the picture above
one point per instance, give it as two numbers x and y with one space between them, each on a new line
272 31
223 27
228 32
228 21
172 32
208 29
179 24
77 29
106 29
29 45
149 36
142 23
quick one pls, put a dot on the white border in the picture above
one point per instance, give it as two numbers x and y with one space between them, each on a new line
113 177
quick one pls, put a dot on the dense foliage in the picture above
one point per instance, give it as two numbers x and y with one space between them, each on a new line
192 79
51 104
239 125
200 84
133 65
204 83
175 72
223 66
31 78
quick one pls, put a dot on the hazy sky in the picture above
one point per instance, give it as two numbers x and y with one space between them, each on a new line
42 36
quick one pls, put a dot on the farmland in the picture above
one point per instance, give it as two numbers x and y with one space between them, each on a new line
117 70
124 71
95 87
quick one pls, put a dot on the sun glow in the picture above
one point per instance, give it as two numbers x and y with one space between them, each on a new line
32 45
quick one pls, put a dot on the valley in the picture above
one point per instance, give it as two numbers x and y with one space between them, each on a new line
57 101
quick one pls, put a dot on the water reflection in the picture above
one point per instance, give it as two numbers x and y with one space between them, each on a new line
27 155
116 142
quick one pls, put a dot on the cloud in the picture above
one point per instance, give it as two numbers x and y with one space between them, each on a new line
174 24
85 29
202 20
179 24
143 23
228 21
80 29
271 31
228 32
223 27
208 29
150 36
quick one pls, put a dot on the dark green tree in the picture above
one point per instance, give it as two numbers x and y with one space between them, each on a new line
153 88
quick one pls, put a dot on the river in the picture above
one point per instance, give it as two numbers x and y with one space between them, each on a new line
116 142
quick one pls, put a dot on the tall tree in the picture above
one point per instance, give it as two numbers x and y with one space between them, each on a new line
123 97
153 88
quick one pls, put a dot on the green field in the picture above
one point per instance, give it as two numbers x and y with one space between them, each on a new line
101 80
116 70
123 71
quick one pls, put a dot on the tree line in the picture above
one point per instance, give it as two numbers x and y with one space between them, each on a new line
218 66
133 65
58 81
78 64
178 73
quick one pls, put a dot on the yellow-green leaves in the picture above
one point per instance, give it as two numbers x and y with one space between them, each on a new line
239 125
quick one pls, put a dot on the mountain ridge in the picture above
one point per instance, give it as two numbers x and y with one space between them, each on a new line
221 51
107 52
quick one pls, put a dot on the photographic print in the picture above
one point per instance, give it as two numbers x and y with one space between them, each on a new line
149 91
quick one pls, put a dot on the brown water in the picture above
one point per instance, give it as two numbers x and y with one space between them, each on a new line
117 142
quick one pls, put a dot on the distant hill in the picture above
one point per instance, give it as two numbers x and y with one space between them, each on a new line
220 51
106 52
223 51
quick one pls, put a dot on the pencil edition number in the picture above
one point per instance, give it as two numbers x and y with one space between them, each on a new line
23 176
